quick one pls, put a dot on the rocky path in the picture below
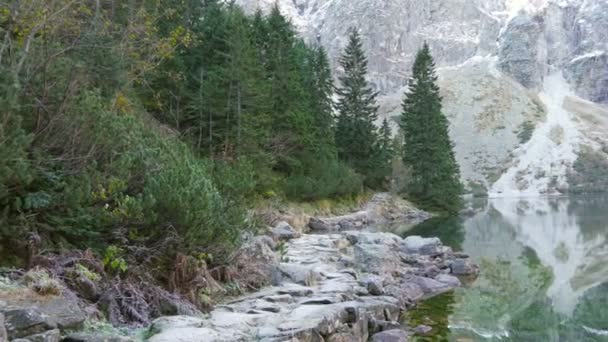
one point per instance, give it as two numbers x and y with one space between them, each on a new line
337 286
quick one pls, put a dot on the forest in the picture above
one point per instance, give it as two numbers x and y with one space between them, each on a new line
139 133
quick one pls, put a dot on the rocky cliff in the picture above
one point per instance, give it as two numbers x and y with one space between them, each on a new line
525 82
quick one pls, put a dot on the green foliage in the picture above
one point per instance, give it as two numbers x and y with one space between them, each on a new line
323 179
358 141
590 172
525 132
113 260
428 151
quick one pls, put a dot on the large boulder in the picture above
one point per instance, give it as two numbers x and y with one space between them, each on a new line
448 280
283 231
429 286
423 246
27 321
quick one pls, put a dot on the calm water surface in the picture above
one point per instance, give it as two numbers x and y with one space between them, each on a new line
544 272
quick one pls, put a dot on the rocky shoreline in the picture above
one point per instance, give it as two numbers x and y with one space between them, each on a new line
337 284
340 282
350 286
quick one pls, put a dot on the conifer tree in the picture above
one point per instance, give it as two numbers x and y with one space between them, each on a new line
356 134
322 104
428 150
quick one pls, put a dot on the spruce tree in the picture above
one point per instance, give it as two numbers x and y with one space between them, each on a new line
428 151
322 104
356 134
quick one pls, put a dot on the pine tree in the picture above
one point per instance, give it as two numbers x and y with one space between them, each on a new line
428 150
356 134
322 104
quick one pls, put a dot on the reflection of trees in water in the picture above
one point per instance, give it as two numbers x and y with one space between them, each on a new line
592 309
589 322
541 261
505 289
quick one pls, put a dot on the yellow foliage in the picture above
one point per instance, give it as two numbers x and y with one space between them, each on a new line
122 103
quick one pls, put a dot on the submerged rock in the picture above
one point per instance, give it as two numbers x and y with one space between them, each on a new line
463 267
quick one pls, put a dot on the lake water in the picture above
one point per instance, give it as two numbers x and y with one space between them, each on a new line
544 272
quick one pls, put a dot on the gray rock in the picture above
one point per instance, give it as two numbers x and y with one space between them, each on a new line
407 293
295 290
337 305
519 54
448 279
3 334
47 336
283 231
430 286
390 336
96 337
27 321
376 258
284 298
173 322
374 285
353 221
589 74
320 301
299 274
464 267
343 337
382 325
460 255
423 246
431 271
422 329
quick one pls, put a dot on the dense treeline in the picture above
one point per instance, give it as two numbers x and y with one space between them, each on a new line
143 129
131 122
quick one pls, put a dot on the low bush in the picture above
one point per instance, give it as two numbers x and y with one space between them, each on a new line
323 179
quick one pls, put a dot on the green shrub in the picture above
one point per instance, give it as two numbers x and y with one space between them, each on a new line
118 175
590 172
323 179
526 129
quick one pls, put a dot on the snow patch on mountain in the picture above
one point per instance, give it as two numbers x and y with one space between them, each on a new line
541 165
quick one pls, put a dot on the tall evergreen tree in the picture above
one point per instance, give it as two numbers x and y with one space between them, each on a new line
428 150
356 134
322 104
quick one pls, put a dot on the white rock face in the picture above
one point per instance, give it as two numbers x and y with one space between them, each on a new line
493 58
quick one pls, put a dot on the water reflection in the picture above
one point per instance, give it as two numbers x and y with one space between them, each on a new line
544 269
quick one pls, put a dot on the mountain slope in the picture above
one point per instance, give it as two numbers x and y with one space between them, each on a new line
496 59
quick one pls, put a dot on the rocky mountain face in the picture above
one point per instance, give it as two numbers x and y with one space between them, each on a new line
525 82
